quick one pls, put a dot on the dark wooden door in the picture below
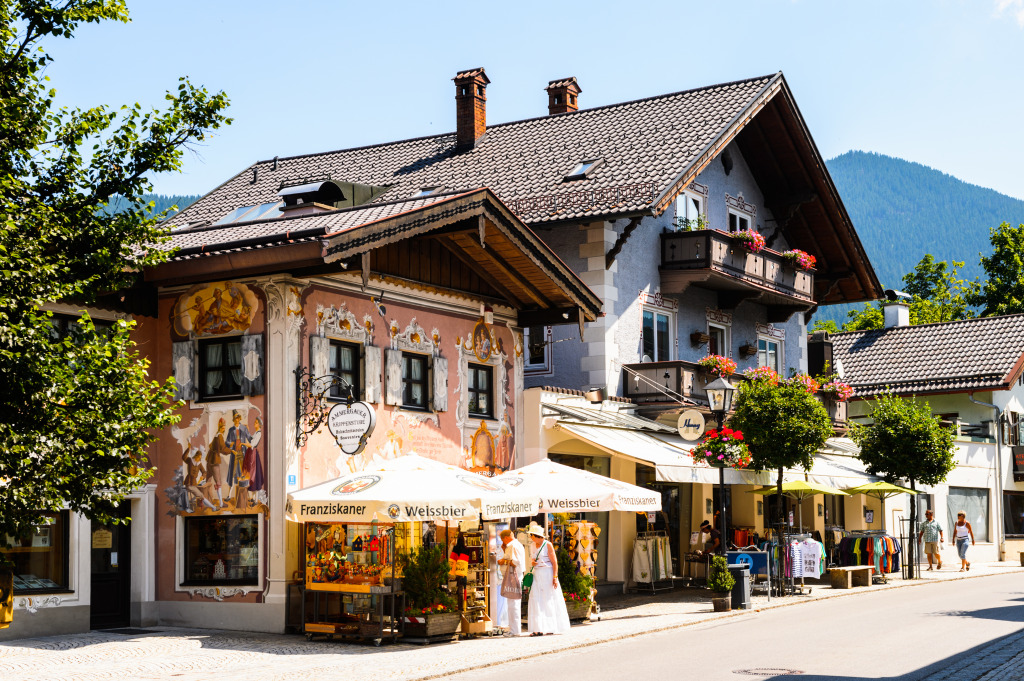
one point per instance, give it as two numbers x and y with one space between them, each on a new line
111 574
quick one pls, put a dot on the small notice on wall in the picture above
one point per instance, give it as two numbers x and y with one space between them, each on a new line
102 539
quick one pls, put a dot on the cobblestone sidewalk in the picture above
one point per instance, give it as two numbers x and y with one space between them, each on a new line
200 655
1003 660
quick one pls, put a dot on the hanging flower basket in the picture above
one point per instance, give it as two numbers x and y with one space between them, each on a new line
799 259
722 449
766 374
718 365
836 390
808 383
750 239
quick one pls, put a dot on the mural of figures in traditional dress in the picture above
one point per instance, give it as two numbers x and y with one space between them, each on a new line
215 309
222 467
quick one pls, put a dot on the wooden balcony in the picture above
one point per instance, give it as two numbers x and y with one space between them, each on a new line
715 260
654 383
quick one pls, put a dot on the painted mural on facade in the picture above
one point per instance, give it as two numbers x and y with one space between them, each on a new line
215 309
449 434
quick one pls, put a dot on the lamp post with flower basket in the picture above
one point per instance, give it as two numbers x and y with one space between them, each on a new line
723 447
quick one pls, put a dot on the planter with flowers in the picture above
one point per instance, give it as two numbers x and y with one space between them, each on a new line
577 588
834 396
750 239
722 449
431 613
762 374
798 259
806 381
718 365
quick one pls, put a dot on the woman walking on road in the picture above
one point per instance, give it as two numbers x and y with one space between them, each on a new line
546 613
961 533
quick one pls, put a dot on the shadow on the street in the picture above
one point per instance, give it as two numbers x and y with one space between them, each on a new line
1009 613
946 668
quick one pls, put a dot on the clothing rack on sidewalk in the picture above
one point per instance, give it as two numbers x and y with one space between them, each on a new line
652 563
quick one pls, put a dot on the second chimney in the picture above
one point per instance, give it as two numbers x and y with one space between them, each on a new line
470 107
562 96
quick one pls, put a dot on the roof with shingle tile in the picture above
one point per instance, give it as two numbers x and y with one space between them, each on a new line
974 354
645 146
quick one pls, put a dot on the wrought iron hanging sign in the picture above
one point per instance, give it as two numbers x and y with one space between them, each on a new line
351 425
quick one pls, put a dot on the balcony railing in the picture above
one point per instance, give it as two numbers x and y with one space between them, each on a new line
661 383
715 260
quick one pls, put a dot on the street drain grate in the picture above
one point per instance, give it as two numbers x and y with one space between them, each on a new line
768 671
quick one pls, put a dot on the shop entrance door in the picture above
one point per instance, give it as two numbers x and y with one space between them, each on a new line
111 574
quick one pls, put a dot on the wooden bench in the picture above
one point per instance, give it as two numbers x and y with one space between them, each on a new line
849 577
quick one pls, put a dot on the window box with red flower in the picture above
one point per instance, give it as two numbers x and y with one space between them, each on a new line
722 449
801 260
718 365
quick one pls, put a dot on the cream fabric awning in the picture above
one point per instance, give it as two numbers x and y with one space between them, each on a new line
669 455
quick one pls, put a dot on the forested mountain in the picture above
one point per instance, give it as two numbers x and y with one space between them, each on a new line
904 210
162 202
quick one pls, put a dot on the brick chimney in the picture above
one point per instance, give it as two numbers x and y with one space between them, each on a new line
562 96
470 107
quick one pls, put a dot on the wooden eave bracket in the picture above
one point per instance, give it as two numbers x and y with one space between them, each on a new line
609 258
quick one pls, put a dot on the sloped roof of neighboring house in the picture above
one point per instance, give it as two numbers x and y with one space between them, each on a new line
649 151
471 244
974 354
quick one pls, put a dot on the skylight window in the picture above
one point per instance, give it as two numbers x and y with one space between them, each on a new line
263 211
582 169
426 191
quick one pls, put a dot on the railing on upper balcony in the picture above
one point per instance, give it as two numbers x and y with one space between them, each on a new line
688 252
663 382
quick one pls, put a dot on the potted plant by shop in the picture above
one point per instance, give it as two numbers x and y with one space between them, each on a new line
576 587
721 582
430 611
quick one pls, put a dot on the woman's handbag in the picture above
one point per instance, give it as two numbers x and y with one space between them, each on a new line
528 577
510 587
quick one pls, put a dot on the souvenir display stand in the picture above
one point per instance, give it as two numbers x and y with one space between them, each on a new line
350 579
475 595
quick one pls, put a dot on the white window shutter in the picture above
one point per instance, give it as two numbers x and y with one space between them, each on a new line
184 358
393 375
440 393
372 358
319 357
252 365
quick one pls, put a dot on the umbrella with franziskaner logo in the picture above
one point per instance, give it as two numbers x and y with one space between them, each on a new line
562 489
409 488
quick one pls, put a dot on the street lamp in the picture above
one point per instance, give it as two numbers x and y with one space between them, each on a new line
720 393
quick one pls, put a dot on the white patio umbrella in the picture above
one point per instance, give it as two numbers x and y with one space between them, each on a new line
562 489
409 488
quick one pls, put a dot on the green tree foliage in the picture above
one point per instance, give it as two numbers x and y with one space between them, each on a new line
425 578
904 442
76 415
1003 291
720 580
782 424
938 295
571 579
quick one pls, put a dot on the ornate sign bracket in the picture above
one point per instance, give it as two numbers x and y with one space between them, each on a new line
310 408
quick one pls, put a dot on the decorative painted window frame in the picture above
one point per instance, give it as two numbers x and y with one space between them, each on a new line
672 330
780 354
770 330
741 209
217 593
695 190
340 324
500 377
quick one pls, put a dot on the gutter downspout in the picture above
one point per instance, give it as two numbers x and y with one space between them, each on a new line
1000 539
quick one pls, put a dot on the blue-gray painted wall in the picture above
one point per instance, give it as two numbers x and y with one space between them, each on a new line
636 270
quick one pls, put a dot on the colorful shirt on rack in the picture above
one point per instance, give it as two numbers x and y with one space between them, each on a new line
810 556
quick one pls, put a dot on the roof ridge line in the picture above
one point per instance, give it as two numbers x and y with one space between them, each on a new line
920 326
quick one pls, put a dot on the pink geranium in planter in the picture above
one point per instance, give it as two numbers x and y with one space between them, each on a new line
752 240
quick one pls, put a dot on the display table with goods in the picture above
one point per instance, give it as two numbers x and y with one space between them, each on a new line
470 562
352 585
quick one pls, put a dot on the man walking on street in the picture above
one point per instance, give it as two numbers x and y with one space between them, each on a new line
931 533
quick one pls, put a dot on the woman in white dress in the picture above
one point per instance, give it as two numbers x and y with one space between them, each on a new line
546 613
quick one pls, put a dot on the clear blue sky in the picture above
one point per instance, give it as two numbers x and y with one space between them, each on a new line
936 82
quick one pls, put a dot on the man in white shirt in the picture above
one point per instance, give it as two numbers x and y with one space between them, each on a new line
514 558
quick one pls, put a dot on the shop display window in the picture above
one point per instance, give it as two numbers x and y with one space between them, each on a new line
1013 514
222 550
973 502
41 558
354 556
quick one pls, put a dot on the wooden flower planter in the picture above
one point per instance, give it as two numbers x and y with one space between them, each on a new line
433 628
578 610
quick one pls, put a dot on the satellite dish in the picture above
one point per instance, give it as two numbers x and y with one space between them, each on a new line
839 369
646 358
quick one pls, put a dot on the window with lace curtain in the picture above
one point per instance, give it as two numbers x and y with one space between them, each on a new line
220 369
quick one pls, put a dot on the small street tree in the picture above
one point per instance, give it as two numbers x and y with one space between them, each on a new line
904 441
782 422
77 410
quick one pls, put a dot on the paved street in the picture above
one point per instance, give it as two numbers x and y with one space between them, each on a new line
849 634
